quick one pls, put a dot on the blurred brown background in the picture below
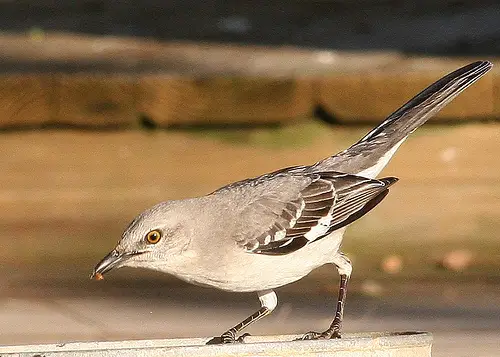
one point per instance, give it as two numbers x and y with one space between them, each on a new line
106 109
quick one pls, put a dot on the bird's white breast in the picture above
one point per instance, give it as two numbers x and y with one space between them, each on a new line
242 271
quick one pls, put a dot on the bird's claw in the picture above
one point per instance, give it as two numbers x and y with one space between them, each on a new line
336 334
241 339
311 335
227 337
326 335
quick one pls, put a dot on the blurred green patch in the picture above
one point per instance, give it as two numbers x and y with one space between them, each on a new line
273 136
299 134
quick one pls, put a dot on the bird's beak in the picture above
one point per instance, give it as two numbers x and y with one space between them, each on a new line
106 264
110 261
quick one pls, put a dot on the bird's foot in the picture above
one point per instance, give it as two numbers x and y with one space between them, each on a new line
326 335
227 337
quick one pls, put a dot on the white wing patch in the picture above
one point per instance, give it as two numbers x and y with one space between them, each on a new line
320 229
280 235
293 221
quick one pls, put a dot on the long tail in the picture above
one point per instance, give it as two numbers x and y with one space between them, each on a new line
369 155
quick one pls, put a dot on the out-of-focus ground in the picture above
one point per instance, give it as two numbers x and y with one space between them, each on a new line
66 196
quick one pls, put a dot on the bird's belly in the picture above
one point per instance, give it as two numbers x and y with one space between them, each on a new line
246 272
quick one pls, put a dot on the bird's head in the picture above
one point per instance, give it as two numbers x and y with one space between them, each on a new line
152 237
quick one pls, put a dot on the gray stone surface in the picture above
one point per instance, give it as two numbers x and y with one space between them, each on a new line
413 344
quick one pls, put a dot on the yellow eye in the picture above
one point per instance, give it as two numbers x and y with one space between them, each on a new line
153 237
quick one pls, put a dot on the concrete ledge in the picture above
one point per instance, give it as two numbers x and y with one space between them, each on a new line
372 95
69 53
25 99
175 100
106 81
407 344
93 99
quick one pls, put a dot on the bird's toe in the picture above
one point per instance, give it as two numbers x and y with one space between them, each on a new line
326 335
241 339
228 337
311 335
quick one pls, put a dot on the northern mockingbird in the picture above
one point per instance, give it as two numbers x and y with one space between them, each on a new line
262 233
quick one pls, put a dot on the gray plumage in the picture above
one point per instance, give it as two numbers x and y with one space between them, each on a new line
297 208
268 231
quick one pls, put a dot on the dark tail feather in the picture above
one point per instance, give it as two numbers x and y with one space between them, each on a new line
428 102
374 146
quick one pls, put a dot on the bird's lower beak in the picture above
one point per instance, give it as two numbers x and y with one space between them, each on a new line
106 264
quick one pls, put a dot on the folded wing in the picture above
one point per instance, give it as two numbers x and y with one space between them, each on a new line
327 202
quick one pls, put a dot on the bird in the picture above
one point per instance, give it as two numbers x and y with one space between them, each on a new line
261 233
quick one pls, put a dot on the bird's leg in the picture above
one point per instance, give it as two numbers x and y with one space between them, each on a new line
268 301
344 268
334 330
230 336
